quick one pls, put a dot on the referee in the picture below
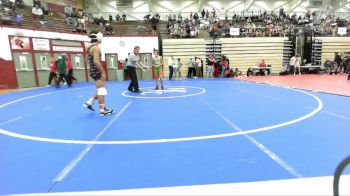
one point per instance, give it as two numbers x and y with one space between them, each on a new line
132 64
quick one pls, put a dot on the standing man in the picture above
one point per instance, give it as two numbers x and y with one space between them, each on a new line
198 65
70 76
211 64
97 73
61 70
158 69
133 62
53 71
171 64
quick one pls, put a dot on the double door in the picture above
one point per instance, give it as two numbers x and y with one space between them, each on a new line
24 69
146 59
112 68
42 62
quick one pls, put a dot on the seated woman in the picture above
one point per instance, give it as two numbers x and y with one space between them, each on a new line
329 66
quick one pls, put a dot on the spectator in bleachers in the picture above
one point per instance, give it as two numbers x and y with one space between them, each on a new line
109 29
19 4
18 19
203 13
147 18
68 10
36 3
110 17
117 18
124 17
37 11
154 23
80 26
102 21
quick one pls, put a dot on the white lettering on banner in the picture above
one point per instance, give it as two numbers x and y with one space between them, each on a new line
67 49
41 44
342 30
234 31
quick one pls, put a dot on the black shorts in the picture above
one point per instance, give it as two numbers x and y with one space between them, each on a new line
96 76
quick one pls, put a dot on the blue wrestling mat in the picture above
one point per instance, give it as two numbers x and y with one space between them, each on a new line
195 132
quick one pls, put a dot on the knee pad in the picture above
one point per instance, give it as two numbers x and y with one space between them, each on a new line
102 91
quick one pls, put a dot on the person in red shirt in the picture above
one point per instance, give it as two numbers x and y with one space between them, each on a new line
263 68
70 76
53 71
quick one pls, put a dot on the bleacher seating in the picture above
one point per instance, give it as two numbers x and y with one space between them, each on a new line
330 45
244 53
57 22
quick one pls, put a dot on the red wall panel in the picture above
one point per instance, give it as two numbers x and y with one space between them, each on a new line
8 74
55 7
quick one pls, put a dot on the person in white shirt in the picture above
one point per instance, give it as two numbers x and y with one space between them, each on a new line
297 64
292 64
132 63
191 68
37 11
198 65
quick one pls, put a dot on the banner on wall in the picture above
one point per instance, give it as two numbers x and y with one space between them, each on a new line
67 49
234 31
20 43
342 30
41 44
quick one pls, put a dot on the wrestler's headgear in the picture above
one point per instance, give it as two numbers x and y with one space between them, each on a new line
96 37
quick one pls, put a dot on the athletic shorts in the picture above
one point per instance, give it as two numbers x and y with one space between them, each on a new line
157 70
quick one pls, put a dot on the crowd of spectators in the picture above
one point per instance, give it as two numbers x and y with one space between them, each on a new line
263 24
76 18
256 25
271 24
11 11
182 28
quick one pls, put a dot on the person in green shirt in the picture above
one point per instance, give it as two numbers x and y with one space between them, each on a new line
158 69
61 70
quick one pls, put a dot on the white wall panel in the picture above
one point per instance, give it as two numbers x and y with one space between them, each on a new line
120 45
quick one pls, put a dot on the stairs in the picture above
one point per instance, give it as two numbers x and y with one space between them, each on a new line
163 30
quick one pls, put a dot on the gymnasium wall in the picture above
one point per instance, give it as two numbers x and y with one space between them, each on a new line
120 45
22 67
330 45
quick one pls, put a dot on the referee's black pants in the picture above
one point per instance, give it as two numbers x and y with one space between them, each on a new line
134 84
